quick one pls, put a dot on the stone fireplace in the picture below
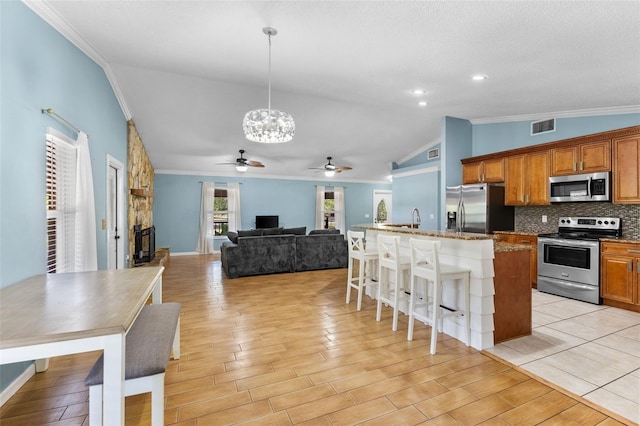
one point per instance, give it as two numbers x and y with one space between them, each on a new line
140 194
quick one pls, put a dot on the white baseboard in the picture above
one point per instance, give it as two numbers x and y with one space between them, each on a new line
17 384
192 253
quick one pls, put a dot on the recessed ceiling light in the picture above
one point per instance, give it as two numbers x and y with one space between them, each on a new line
479 77
422 103
419 92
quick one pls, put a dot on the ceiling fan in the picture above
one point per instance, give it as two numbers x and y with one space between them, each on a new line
331 169
242 163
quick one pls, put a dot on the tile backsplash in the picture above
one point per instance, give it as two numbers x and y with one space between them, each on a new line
529 218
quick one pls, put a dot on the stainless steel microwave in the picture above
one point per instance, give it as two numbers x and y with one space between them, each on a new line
583 187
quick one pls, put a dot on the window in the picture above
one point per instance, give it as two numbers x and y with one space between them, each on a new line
219 218
60 204
328 211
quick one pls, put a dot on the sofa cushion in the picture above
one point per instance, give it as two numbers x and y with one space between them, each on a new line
324 231
272 231
295 231
321 251
233 237
250 233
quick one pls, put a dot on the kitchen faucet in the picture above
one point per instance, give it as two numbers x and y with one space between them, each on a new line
417 212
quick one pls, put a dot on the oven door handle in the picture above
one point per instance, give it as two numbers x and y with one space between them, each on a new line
568 243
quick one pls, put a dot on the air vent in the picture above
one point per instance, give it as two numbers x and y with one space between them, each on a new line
544 126
432 154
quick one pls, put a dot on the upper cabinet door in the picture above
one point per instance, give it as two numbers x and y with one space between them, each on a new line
494 170
626 173
595 157
583 158
527 179
538 178
489 171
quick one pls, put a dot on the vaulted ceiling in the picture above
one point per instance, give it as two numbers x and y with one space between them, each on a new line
188 71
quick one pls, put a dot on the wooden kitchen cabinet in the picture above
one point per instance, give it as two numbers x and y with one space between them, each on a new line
527 179
626 173
489 171
583 158
529 240
620 275
512 297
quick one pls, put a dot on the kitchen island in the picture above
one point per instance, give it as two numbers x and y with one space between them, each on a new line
476 252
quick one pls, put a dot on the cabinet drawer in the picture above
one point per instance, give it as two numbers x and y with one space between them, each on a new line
620 248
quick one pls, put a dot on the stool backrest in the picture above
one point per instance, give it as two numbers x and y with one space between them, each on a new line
425 261
356 242
388 251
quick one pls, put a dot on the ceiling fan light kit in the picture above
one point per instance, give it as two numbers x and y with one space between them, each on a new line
329 169
268 125
242 164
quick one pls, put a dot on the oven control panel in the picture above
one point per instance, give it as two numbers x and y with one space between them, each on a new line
612 223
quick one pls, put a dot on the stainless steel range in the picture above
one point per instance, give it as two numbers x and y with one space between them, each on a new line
569 260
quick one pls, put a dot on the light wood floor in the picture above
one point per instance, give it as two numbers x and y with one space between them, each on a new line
286 349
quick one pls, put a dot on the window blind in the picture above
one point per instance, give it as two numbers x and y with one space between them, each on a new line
60 203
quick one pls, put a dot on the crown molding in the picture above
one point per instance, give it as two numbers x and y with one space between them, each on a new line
630 109
420 171
50 16
239 175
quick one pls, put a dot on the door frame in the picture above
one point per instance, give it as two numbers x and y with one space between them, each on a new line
375 207
120 211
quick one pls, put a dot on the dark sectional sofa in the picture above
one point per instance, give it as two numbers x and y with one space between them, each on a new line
277 250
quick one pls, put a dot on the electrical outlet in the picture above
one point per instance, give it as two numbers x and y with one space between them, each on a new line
432 216
104 224
544 218
366 216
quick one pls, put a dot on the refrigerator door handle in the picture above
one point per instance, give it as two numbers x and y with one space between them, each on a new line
463 218
459 213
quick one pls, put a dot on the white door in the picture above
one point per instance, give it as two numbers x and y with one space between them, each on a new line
381 206
115 214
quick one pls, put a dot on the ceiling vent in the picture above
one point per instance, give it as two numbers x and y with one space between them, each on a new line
434 153
543 126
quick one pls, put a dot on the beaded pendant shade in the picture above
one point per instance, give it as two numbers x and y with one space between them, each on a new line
268 125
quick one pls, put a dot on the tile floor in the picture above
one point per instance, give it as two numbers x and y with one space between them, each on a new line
590 350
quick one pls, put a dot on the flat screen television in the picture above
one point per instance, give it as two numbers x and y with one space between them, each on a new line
267 222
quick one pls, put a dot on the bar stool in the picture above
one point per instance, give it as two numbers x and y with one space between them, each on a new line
390 261
425 264
366 261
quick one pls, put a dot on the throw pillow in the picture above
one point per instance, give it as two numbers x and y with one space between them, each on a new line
233 236
272 231
324 231
295 231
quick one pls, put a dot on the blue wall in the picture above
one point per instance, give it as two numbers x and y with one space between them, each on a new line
176 208
419 190
495 137
42 69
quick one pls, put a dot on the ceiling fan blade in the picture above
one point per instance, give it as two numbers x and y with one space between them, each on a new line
343 168
227 164
254 164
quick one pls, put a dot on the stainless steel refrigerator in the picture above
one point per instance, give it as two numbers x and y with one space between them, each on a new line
478 208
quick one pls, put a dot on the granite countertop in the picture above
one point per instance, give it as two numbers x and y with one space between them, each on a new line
530 234
619 240
428 233
500 247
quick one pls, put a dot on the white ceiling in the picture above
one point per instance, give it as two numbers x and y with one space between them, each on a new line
188 71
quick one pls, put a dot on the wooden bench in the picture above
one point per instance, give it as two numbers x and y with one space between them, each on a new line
149 343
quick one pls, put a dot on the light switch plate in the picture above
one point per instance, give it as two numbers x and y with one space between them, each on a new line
544 218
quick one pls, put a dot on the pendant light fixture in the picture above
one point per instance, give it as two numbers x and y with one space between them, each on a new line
268 125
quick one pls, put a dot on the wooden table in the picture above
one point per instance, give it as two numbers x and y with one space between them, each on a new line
60 314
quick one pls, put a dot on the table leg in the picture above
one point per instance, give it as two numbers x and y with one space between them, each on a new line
113 387
157 291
